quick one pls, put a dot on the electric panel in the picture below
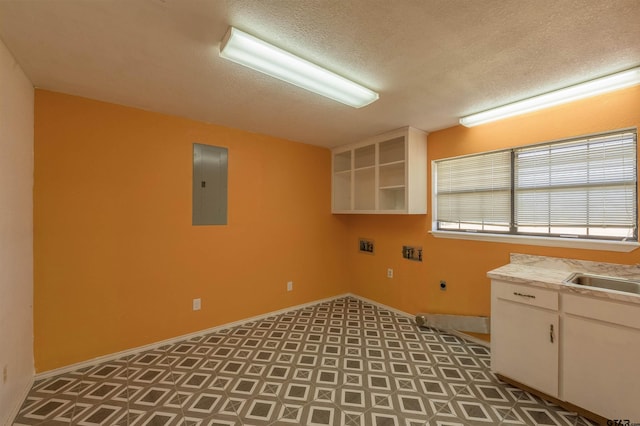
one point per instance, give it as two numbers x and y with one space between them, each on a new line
210 164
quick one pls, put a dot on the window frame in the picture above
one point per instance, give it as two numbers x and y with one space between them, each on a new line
540 239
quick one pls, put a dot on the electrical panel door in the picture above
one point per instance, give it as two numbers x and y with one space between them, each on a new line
209 185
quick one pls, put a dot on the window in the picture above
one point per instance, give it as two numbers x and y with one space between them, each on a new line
580 188
474 193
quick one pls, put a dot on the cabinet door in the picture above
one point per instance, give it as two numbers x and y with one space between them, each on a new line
524 344
600 367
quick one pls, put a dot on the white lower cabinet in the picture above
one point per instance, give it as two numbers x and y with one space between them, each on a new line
524 324
601 356
592 361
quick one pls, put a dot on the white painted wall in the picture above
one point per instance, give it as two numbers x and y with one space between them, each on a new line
16 235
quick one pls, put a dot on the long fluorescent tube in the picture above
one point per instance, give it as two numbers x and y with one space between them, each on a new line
579 91
247 50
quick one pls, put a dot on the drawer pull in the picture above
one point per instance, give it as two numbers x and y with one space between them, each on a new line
551 333
530 296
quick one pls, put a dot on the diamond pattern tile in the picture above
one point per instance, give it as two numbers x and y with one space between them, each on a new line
343 362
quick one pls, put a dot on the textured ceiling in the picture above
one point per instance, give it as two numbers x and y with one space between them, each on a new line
432 61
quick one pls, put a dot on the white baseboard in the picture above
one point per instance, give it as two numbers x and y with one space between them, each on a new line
399 312
473 339
155 345
11 416
381 305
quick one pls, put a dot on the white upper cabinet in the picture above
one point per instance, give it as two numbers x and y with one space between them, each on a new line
384 174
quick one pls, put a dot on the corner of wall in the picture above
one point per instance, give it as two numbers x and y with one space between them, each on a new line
16 238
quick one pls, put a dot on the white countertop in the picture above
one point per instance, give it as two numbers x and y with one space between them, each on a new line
550 272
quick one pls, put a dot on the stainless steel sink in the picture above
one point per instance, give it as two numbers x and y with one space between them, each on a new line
607 283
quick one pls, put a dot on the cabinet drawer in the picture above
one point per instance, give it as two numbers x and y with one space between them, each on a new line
602 309
525 294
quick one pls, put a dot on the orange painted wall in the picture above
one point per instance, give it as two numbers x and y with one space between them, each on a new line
464 264
117 262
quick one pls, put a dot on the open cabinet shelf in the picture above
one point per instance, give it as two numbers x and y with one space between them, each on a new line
386 174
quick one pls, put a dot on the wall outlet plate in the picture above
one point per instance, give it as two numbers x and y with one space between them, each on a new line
290 286
389 273
197 304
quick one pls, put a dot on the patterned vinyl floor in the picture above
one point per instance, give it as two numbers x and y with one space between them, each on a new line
343 362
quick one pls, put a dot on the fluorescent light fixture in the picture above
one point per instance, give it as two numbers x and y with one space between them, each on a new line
579 91
247 50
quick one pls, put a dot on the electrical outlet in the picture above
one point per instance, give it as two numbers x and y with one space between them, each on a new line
197 304
389 273
290 286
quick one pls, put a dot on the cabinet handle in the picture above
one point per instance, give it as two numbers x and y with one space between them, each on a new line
531 296
551 333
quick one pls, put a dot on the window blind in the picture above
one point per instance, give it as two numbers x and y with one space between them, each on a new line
474 192
581 187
